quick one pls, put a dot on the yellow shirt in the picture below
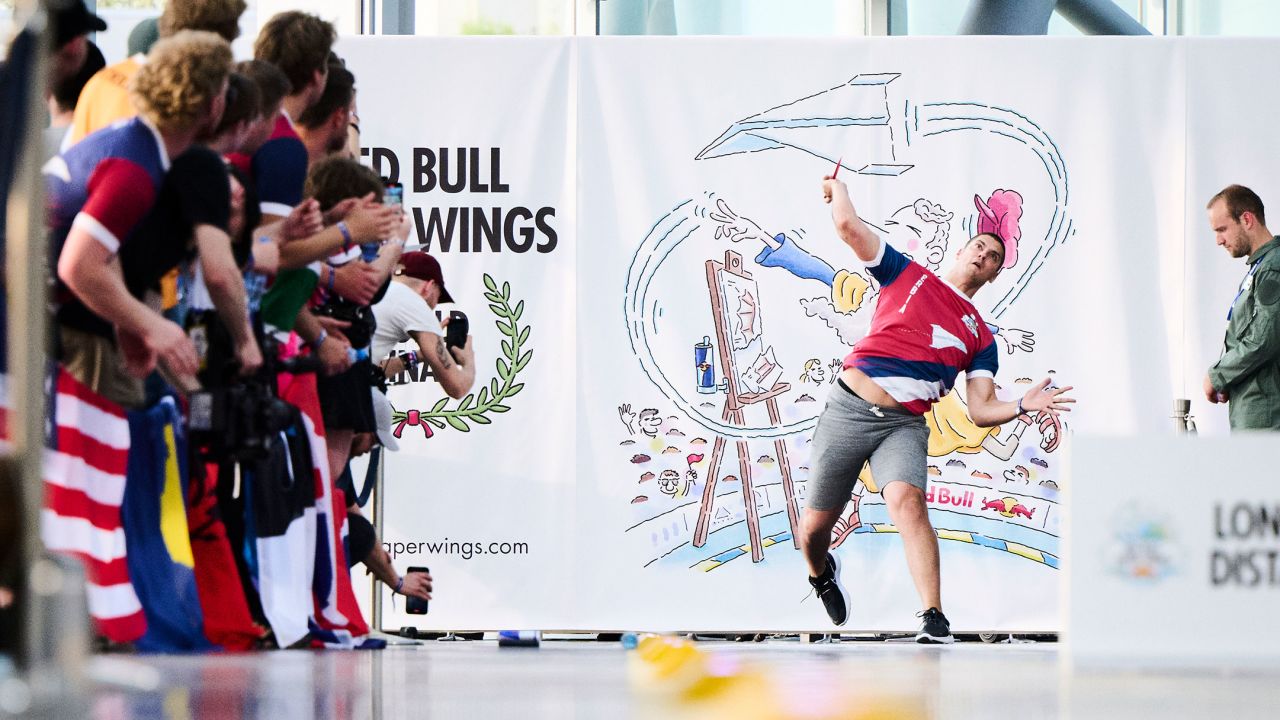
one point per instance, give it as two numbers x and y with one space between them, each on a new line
104 100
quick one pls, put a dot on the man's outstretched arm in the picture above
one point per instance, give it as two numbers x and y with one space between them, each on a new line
850 228
988 411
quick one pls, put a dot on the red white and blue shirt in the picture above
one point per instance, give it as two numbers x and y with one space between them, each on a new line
105 184
923 334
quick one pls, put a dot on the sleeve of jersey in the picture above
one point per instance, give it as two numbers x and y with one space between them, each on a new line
887 265
280 169
985 363
120 193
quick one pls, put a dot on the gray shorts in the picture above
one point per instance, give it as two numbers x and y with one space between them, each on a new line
851 432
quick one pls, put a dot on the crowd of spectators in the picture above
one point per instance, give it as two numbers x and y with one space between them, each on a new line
218 249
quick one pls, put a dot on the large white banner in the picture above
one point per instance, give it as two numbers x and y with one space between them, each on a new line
646 465
481 491
710 153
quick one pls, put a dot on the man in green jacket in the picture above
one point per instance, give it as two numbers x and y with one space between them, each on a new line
1248 373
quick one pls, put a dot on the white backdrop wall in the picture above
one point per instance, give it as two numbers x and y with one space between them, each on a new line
646 148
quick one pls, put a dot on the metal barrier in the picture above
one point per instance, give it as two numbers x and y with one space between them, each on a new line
52 619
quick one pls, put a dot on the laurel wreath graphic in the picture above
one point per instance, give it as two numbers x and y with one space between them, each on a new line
476 407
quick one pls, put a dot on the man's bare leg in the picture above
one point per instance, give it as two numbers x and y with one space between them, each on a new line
910 515
815 540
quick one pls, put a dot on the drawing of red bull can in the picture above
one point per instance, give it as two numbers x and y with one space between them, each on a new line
706 372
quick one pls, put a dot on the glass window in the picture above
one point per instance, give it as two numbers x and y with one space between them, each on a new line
732 17
1230 17
943 17
493 17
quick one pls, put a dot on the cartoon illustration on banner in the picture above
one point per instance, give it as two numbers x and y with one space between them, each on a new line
717 467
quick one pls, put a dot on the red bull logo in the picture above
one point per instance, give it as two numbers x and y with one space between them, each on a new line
1008 507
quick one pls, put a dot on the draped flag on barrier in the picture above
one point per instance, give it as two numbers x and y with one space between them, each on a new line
161 561
335 618
85 461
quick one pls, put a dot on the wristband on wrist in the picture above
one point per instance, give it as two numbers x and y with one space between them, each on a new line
346 235
324 335
332 274
399 586
1020 410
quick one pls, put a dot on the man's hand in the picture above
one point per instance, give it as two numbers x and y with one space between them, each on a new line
417 584
464 355
249 357
333 355
344 207
1049 400
357 282
404 228
1212 394
168 344
333 326
371 222
139 360
832 186
393 366
303 222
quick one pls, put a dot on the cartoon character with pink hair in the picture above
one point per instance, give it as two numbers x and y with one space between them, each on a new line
999 216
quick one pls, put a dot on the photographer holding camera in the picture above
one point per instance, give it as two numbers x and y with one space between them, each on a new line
407 311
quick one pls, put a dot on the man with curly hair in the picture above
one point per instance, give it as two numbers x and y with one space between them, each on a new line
99 193
105 98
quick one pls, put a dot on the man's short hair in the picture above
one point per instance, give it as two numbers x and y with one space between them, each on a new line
67 92
1240 200
999 241
296 42
215 16
272 84
339 91
244 103
334 179
182 75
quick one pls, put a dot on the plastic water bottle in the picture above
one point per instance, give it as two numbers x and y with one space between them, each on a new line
519 638
356 356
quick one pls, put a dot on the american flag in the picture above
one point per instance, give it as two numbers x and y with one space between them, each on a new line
85 461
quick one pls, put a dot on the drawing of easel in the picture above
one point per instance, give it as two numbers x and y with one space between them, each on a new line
723 279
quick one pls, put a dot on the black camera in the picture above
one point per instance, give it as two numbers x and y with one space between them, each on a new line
234 417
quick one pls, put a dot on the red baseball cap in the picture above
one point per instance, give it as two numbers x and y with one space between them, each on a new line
422 266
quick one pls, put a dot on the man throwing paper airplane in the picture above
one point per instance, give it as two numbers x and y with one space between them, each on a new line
925 331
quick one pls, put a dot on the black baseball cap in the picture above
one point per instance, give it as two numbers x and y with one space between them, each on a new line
72 20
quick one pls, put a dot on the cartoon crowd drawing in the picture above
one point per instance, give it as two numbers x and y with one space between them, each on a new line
992 488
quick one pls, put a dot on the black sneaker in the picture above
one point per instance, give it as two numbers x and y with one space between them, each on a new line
934 628
832 594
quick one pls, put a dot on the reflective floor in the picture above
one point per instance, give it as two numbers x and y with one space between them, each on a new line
584 679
